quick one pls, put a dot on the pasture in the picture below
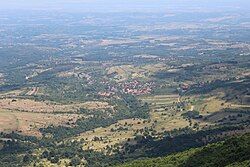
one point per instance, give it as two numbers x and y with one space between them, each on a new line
30 105
28 123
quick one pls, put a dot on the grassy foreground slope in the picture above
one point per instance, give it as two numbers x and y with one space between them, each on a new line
234 152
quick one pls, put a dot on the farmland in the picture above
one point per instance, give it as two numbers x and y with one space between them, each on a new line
102 89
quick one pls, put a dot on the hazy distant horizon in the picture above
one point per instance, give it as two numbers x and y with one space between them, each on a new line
123 5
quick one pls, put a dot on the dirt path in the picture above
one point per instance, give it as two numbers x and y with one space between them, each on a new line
33 91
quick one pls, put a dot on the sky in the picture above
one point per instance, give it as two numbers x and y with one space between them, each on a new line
121 5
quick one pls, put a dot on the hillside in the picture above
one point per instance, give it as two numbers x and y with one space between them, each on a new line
100 89
232 152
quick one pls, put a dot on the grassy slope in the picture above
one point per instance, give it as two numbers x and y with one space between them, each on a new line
233 152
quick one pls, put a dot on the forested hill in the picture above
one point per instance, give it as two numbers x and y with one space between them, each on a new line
232 152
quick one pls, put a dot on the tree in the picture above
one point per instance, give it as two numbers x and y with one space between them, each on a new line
45 154
75 161
26 158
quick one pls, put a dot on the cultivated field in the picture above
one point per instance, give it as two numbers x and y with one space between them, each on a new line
158 102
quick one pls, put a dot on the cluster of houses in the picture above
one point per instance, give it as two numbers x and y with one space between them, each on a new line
133 87
137 88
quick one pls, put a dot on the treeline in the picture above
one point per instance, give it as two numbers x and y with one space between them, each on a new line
174 141
232 152
128 107
82 125
232 87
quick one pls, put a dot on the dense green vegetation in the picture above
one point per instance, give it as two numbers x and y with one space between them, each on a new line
174 141
232 152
